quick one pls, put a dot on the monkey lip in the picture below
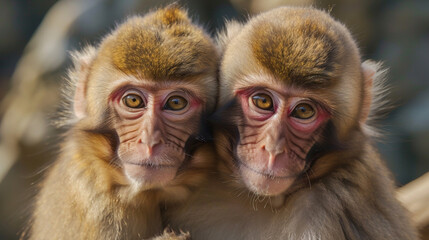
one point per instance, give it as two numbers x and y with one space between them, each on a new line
151 165
267 174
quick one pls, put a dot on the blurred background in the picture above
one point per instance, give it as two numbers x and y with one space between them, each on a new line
37 35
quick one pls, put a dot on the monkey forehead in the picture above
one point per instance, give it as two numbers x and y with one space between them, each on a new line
190 86
300 46
304 49
160 45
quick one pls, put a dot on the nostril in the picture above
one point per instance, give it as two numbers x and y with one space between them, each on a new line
155 144
155 139
263 147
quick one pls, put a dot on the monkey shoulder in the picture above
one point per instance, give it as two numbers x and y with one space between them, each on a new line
343 208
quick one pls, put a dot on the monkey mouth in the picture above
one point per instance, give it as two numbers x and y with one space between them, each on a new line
151 165
266 174
263 182
150 175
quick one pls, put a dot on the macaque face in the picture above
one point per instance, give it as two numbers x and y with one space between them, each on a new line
280 126
154 122
298 83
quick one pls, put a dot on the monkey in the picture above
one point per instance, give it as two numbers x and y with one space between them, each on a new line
293 135
136 137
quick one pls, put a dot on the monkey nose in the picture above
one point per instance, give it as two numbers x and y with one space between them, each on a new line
148 147
276 148
151 141
273 158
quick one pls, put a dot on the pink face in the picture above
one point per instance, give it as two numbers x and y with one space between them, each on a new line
153 124
278 132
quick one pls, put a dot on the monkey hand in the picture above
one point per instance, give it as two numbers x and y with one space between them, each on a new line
168 234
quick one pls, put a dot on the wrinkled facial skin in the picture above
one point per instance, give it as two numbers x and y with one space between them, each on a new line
279 129
153 125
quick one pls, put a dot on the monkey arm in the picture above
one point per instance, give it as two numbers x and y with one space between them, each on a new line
170 235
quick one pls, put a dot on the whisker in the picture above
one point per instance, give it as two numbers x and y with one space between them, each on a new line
308 178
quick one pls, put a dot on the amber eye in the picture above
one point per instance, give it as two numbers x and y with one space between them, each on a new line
133 101
303 111
175 103
262 101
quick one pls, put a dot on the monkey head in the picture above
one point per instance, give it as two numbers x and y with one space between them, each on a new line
150 82
293 87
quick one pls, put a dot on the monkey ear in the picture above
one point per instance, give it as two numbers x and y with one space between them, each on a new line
232 28
368 72
78 76
374 90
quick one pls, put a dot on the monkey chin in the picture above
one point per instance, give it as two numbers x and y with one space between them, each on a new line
151 170
265 184
149 176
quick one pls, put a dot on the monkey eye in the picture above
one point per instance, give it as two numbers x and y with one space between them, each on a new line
133 101
262 101
175 103
303 111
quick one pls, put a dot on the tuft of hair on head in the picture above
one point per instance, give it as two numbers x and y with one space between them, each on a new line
172 14
380 104
162 44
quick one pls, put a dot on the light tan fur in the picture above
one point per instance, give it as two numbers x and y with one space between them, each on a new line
346 193
86 194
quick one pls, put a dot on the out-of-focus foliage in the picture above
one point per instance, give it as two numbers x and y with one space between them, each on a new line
393 31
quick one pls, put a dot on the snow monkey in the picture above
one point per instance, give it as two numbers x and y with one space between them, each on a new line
298 159
139 103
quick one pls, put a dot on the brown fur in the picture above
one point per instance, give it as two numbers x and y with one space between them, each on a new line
305 53
86 194
83 197
138 49
347 192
